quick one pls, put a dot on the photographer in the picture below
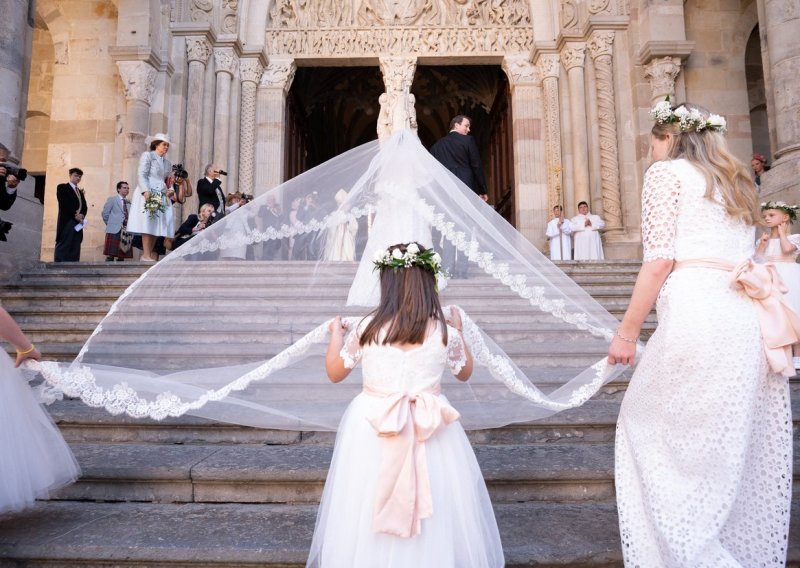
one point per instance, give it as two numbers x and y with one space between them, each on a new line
193 225
209 189
180 184
10 176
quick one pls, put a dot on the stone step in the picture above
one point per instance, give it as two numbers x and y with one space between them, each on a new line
593 422
248 473
147 535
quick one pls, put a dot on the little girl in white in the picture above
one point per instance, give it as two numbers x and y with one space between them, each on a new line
35 458
779 246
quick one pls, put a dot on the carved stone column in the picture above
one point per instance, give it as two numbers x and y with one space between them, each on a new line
573 57
397 103
226 63
662 72
251 71
138 82
198 51
271 122
530 178
549 68
601 44
16 31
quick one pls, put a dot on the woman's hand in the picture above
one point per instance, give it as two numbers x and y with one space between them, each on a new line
146 195
337 327
621 352
455 319
35 355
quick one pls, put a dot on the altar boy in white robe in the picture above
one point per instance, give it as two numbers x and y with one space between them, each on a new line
586 227
558 231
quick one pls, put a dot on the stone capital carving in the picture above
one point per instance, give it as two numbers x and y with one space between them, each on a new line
279 74
549 65
520 70
138 80
250 70
661 73
198 49
573 55
397 103
601 43
225 60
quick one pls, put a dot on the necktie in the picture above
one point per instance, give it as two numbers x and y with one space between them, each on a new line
124 212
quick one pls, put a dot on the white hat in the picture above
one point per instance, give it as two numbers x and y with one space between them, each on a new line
158 136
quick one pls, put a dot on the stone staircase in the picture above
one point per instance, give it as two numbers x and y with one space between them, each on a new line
189 492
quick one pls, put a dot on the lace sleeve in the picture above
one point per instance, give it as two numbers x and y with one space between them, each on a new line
456 354
351 350
795 240
659 212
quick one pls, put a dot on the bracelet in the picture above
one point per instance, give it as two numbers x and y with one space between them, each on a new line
29 350
626 339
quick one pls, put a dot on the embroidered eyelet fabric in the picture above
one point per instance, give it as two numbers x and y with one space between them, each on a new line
703 466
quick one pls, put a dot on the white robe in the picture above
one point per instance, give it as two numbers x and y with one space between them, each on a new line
588 245
564 251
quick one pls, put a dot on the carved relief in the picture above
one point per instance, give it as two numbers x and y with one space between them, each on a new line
198 49
250 70
200 10
549 69
600 7
225 60
601 43
549 65
229 17
279 74
662 72
519 69
138 80
397 103
569 14
573 55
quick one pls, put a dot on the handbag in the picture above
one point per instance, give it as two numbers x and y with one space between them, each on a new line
125 240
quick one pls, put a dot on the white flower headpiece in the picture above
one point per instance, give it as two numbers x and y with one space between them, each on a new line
427 259
688 120
790 210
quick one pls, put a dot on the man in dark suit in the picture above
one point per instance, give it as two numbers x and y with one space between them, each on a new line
71 213
209 190
458 152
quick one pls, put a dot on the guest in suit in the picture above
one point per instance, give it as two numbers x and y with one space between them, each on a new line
209 190
458 152
193 225
115 216
71 214
8 184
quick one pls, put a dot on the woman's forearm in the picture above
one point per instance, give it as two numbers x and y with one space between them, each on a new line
648 284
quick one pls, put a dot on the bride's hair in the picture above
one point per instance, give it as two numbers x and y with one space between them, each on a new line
409 301
707 149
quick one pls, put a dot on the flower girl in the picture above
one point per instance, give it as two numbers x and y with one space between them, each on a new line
36 459
779 246
404 487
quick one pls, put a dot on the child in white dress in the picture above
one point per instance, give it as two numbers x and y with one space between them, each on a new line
404 488
35 458
777 245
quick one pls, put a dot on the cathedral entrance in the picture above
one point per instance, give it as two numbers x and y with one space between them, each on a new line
333 109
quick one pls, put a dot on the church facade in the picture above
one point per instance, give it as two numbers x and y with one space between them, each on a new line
558 91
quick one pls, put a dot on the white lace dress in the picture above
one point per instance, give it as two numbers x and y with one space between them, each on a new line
704 436
461 531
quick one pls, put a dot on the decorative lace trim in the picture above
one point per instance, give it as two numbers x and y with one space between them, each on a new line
456 353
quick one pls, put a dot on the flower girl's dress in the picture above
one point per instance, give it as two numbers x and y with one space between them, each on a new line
34 458
787 267
375 510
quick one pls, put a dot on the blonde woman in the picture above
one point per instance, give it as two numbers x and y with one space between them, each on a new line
704 435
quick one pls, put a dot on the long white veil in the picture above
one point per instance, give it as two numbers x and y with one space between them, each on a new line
226 328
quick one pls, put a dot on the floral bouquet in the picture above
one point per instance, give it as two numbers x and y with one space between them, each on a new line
154 204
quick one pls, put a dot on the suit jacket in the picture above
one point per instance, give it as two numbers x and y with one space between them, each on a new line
459 154
207 193
186 227
6 199
114 214
68 205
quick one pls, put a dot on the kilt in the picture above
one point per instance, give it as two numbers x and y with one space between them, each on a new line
111 247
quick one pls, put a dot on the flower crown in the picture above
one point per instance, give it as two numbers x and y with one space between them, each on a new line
790 210
688 120
427 259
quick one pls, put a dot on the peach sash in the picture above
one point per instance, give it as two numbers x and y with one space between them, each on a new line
780 326
406 421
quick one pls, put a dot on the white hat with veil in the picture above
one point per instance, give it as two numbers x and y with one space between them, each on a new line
205 335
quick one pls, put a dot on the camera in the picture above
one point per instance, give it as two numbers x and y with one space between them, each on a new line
15 170
222 172
5 227
179 172
247 198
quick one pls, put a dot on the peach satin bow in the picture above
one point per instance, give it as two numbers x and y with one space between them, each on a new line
406 421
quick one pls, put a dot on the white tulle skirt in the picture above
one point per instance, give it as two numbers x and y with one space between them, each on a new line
34 458
461 532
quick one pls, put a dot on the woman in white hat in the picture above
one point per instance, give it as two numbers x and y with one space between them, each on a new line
151 207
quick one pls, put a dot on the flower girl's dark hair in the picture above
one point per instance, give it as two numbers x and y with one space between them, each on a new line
409 301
